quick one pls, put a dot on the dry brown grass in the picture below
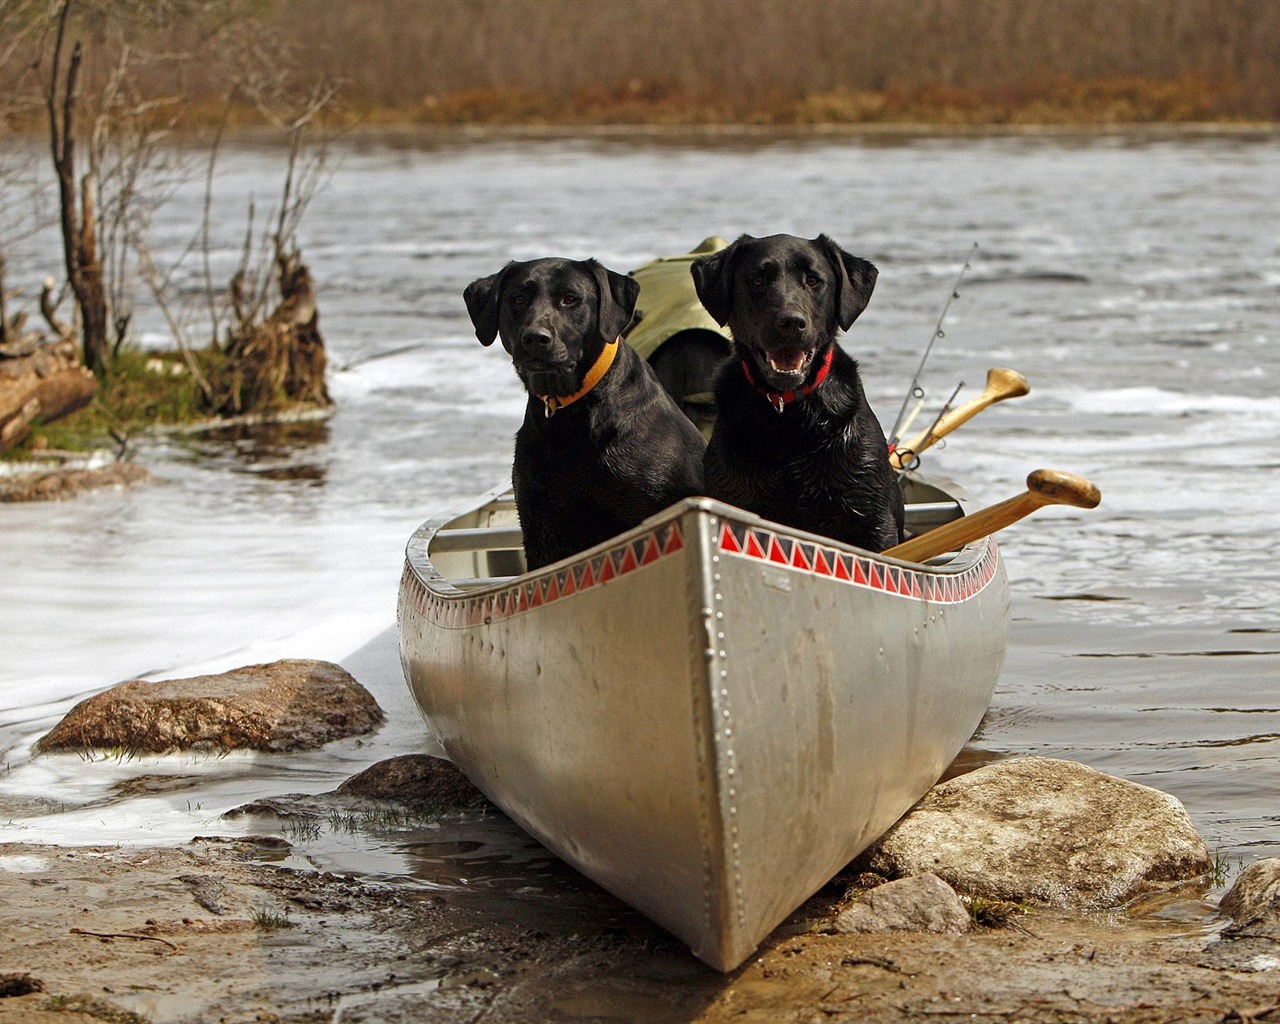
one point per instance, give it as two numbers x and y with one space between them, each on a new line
1057 101
783 62
796 61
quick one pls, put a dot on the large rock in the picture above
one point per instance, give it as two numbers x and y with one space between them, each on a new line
286 705
419 781
418 785
922 903
1253 903
1046 831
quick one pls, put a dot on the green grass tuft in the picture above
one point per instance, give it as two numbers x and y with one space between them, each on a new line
268 920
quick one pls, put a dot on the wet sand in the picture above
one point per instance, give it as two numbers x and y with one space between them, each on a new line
237 930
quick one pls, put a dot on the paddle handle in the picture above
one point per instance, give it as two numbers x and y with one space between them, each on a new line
1001 384
1044 487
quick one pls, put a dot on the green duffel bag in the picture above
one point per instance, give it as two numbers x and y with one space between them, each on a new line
677 336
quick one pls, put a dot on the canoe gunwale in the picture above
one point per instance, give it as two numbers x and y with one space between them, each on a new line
418 559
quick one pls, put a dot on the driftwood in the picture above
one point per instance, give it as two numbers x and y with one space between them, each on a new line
44 385
67 482
279 361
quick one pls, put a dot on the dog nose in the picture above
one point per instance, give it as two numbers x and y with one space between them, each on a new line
536 338
791 321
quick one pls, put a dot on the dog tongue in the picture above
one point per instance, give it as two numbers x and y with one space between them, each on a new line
786 360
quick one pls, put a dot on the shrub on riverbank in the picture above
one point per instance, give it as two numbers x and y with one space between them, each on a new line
138 390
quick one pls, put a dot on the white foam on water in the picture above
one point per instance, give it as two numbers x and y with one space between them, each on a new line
1165 411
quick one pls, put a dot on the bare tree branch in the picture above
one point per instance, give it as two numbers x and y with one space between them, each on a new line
159 292
49 309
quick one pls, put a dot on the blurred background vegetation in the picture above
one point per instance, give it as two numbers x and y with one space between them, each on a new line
712 61
798 61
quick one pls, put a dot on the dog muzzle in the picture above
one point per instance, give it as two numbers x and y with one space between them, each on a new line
781 399
552 404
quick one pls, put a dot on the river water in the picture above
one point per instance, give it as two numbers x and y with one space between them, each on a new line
1134 280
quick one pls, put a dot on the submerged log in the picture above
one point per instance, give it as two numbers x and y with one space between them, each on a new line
48 383
67 482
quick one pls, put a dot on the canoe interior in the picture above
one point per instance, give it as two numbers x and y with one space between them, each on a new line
497 558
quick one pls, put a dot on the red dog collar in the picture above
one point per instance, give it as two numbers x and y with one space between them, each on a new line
780 399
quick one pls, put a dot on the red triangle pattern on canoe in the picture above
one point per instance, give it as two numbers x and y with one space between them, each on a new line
940 587
627 562
776 554
458 611
800 558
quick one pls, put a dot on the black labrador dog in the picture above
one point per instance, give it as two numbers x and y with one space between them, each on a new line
602 445
795 440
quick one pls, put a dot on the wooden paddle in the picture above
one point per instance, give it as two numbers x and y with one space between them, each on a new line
1001 384
1044 487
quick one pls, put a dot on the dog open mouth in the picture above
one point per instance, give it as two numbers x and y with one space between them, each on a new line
787 367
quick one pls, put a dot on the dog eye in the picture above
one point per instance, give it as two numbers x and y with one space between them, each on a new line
568 299
756 281
519 300
812 280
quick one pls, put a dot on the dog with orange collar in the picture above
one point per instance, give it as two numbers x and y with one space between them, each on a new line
602 446
795 440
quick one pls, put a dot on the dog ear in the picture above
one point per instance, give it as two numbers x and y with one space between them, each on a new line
856 278
618 294
481 297
713 281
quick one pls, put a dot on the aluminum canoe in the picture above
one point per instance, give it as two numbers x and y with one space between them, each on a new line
709 715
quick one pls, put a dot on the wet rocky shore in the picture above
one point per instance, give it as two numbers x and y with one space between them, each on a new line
1030 889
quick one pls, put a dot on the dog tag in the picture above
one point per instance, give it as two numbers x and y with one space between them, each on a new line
776 401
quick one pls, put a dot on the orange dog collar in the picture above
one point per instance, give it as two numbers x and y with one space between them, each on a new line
599 368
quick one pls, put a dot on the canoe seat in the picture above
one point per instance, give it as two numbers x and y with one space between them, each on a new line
925 515
920 517
485 538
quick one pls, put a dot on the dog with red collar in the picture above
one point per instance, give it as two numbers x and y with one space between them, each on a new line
795 440
602 446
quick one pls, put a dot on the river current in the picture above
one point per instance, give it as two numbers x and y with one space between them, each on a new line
1135 281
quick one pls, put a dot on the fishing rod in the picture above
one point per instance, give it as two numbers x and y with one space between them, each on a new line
1002 383
915 411
931 435
915 390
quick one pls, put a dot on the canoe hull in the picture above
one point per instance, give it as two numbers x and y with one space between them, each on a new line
711 715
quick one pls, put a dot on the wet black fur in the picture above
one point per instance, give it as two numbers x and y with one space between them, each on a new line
616 456
821 464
